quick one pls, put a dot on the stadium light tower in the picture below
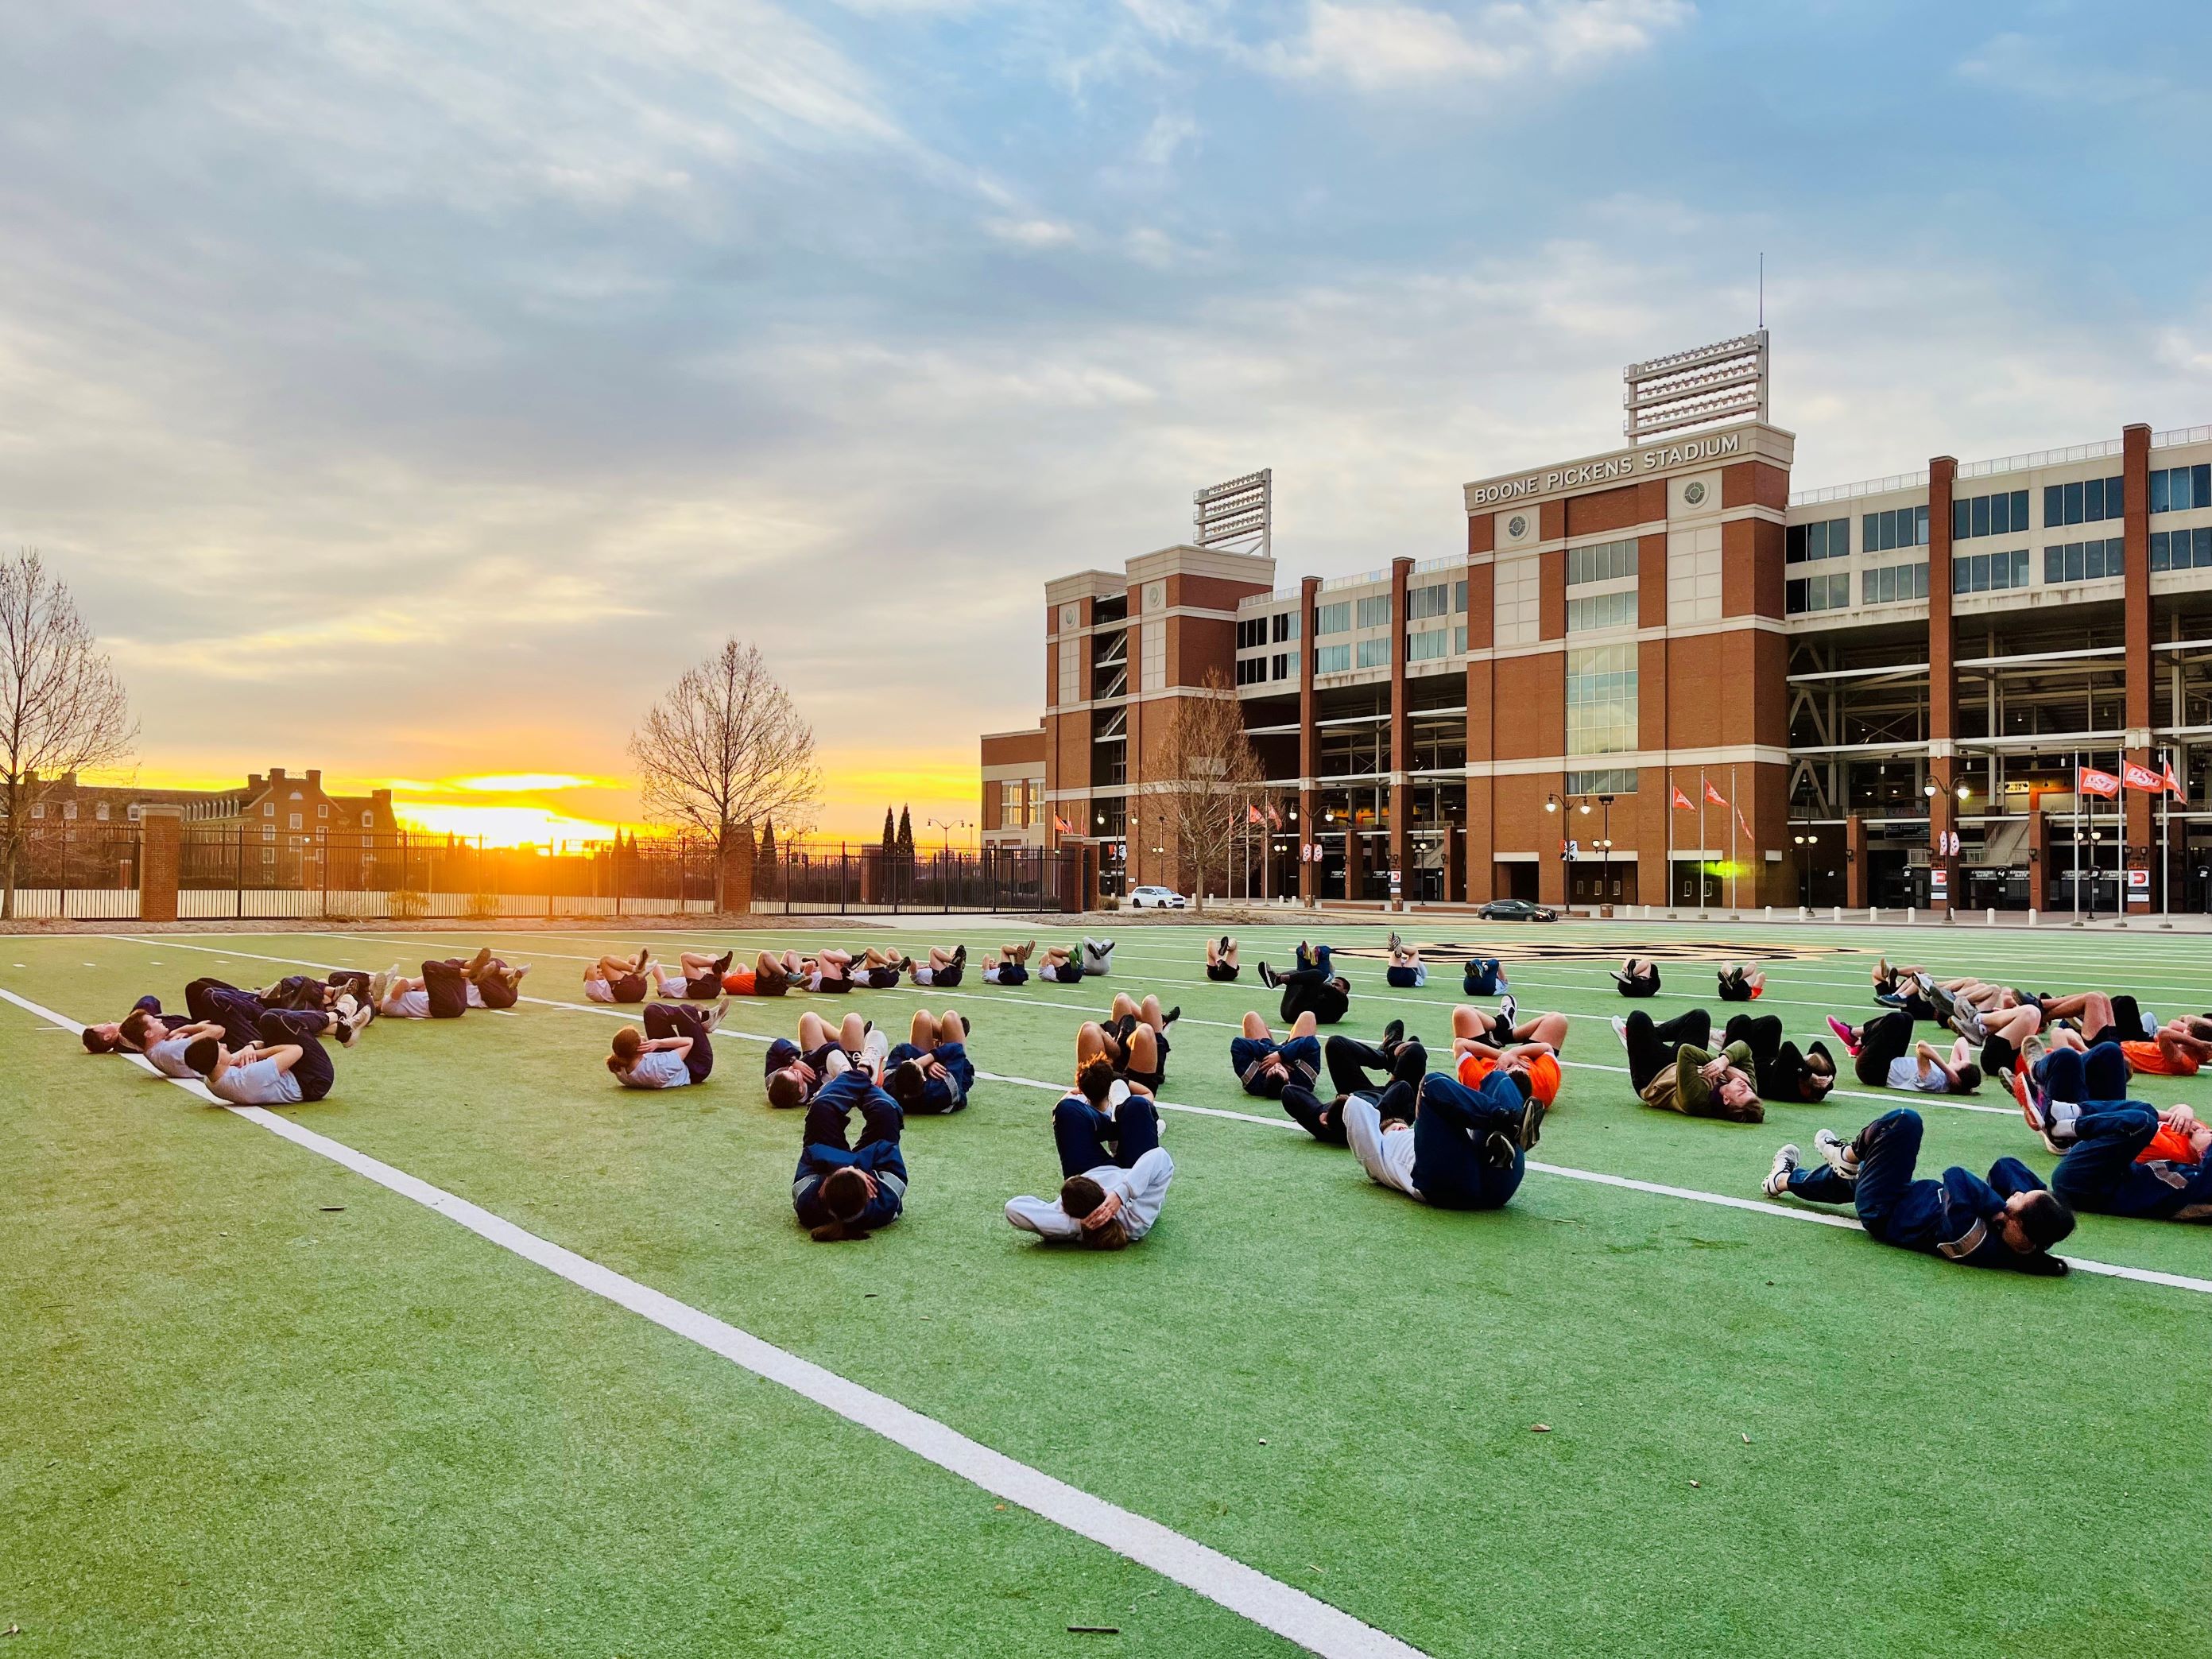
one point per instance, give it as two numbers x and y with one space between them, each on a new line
1724 382
1238 515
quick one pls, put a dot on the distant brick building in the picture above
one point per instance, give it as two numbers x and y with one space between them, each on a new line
1014 812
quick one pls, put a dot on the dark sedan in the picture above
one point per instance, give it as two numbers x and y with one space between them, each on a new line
1516 910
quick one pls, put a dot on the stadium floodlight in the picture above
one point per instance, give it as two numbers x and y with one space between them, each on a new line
1237 515
1724 382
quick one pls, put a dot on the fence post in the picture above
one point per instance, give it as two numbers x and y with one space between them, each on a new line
61 896
841 877
238 872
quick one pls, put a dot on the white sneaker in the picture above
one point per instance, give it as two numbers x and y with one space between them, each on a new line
1785 1165
1620 1028
1838 1155
1508 1009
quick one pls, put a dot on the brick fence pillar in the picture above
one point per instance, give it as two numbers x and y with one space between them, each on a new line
738 875
161 853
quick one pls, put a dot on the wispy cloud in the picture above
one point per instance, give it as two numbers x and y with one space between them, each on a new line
1388 48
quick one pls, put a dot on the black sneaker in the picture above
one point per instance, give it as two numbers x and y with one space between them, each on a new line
722 962
1173 1015
1267 977
1532 1123
1393 1033
959 955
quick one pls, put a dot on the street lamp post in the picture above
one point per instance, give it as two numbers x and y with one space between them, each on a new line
1604 840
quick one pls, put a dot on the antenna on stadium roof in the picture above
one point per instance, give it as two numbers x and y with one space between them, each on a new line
1762 289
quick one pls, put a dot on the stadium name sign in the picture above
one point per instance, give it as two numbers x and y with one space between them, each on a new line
1645 462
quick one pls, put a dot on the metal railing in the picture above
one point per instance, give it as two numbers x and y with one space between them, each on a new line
870 880
73 870
1846 492
248 872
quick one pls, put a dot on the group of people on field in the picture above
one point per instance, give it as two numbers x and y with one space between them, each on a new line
1455 1136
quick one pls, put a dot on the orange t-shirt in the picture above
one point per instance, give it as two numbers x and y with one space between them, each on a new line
739 982
2150 1058
2169 1143
1543 1074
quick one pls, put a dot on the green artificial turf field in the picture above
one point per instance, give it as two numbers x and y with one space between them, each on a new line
253 1403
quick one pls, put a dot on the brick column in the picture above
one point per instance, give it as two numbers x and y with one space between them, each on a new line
1943 689
2142 665
1355 861
2039 858
1308 738
160 855
1856 874
1455 863
1402 726
738 875
1477 859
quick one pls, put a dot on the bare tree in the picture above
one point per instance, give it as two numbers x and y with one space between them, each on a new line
1214 781
62 709
723 749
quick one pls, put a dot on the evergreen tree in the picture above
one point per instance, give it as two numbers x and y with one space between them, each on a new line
890 836
905 836
767 855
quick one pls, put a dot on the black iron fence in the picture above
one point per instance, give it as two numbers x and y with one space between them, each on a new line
250 872
77 870
849 880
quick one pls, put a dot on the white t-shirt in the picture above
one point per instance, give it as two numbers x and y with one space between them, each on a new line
598 990
991 975
1143 1188
167 1057
663 1068
1387 1159
408 1005
1904 1073
924 974
262 1084
475 995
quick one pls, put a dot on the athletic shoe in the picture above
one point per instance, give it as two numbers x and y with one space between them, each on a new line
1395 942
362 1014
1172 1015
1508 1009
377 982
722 962
1968 1024
1840 1156
1393 1033
1532 1122
1843 1035
2030 1107
1225 945
478 963
343 1025
1785 1165
644 957
1620 1023
959 955
906 964
2150 1023
712 1019
1267 976
515 975
1889 998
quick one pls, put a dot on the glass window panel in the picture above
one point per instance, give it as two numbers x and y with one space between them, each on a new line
1981 507
2093 499
2200 478
2203 538
2160 489
2074 503
2019 510
2054 504
2157 550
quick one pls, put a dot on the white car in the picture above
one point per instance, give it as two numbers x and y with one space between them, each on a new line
1155 898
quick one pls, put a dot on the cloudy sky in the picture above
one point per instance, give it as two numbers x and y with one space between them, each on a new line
412 389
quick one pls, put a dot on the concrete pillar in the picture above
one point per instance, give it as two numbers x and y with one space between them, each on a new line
161 857
1402 726
1355 861
1943 688
2141 665
1455 864
1309 738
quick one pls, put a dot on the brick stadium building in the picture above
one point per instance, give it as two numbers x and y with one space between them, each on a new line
1859 672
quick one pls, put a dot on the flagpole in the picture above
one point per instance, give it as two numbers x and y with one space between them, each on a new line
1702 787
2166 838
2077 834
1670 838
1735 809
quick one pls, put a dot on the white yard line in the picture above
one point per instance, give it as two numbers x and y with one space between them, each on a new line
2141 1275
1313 1623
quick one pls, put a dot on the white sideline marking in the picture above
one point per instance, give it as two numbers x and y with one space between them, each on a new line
1292 1614
2141 1275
